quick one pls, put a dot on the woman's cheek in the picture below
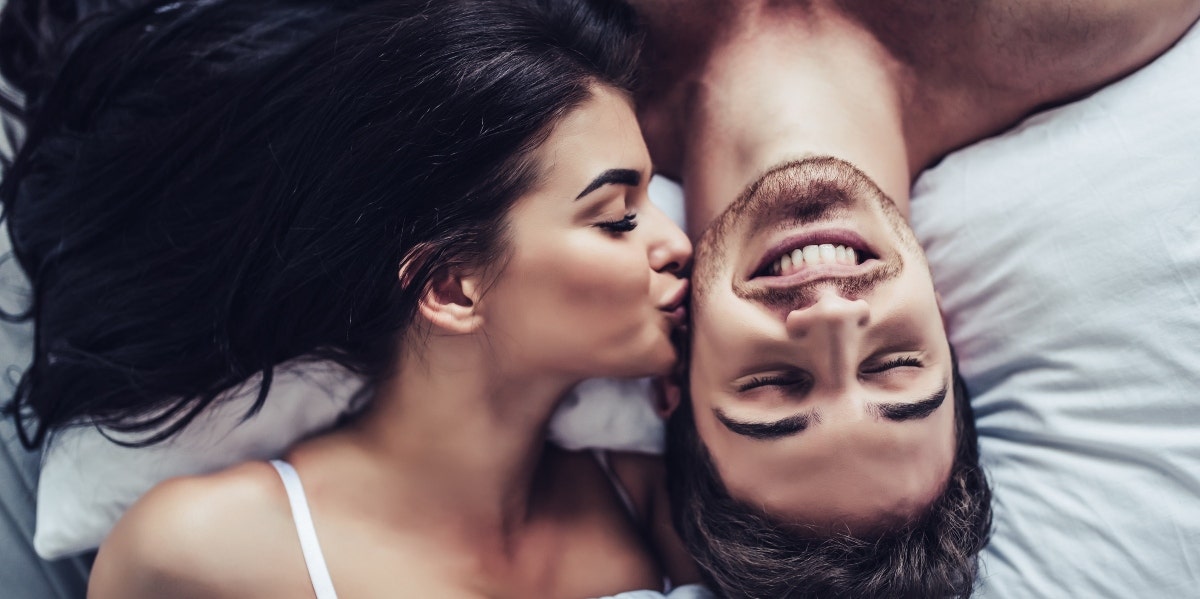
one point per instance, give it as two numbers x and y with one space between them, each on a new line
596 288
616 282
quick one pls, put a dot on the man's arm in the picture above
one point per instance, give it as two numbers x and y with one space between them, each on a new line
974 68
1023 55
1051 47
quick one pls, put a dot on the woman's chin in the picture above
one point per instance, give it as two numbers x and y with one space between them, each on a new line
659 361
652 355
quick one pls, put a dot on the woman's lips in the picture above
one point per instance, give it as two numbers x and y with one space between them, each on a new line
676 298
677 317
675 306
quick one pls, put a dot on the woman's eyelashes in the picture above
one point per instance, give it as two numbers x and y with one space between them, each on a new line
624 225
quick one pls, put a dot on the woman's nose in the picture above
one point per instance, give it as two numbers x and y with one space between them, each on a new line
670 249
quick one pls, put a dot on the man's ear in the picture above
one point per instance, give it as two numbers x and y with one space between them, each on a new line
941 312
667 395
451 301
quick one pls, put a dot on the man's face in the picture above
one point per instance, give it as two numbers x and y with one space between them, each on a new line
820 375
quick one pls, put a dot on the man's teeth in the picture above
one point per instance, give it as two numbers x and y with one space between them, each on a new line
813 255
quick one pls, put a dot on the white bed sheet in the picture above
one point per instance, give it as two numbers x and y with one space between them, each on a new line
1067 254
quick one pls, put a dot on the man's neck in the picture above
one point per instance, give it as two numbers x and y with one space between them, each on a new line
890 85
771 89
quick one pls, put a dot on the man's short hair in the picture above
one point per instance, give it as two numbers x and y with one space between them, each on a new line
745 552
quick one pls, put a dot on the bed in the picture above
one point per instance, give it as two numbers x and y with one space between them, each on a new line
1067 255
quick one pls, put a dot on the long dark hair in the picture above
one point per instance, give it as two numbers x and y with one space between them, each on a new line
210 188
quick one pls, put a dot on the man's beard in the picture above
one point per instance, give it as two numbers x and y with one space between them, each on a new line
803 192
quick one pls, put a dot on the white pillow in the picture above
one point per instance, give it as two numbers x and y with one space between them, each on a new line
1067 254
87 482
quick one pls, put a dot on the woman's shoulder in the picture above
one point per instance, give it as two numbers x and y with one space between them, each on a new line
228 534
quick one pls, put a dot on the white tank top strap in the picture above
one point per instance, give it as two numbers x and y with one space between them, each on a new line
318 572
627 501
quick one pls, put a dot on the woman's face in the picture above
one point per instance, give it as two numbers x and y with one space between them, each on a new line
592 285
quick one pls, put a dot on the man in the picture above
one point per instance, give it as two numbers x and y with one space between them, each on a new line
825 449
825 401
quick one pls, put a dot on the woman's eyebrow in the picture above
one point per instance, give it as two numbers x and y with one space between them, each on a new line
619 176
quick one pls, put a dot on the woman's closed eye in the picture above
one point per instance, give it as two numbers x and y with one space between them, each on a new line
624 225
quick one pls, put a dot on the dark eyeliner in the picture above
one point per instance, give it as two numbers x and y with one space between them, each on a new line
625 225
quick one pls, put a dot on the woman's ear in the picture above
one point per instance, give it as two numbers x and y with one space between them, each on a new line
451 301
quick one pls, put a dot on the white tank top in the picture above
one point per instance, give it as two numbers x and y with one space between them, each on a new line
318 572
314 559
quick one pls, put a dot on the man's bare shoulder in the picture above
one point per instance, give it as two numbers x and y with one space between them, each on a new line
1085 43
1059 49
227 534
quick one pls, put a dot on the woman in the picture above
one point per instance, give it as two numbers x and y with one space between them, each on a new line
448 197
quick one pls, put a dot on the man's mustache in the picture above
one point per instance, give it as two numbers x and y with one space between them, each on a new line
806 294
784 201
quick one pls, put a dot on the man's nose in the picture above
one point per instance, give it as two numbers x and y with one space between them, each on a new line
831 329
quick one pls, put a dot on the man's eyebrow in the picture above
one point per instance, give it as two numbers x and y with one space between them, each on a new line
899 412
619 176
762 431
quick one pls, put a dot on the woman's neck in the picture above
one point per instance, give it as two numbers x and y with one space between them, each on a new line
457 432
